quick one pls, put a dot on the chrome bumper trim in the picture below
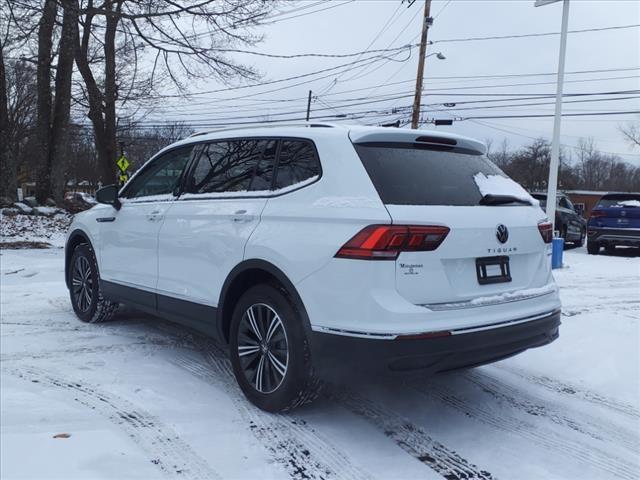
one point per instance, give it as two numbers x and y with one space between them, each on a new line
459 331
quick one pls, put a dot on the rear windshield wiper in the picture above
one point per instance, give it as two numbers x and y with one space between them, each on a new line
491 199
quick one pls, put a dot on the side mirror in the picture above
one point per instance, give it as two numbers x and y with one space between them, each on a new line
109 195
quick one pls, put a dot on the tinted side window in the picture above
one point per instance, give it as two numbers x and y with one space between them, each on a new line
298 162
264 170
230 166
161 176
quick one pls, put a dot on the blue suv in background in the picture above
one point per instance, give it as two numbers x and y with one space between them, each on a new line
614 221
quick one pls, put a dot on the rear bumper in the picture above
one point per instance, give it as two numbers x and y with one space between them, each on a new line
334 354
614 236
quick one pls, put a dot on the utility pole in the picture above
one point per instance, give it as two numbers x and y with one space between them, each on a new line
309 106
426 23
552 186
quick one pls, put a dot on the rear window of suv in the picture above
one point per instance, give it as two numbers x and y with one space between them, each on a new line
619 200
409 174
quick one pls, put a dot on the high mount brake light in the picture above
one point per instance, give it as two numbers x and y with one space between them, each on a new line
385 242
546 231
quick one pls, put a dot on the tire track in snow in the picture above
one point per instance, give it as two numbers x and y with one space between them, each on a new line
146 346
294 444
411 438
162 445
523 400
546 438
573 391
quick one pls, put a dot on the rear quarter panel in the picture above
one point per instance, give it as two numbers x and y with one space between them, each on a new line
301 231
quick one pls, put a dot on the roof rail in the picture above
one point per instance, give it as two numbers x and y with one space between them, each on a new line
266 125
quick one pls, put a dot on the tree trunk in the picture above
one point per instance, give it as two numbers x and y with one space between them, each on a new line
8 163
43 123
102 107
62 107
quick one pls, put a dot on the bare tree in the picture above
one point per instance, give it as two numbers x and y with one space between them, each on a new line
7 172
60 124
631 133
185 40
46 26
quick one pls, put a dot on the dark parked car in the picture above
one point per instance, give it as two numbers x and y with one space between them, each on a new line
614 221
76 202
570 224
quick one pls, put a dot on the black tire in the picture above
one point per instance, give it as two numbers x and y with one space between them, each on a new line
580 242
610 249
593 248
267 387
84 288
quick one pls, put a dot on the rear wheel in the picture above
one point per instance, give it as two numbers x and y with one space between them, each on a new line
593 248
84 281
270 351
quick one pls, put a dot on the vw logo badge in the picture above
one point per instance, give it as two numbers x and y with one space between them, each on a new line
502 233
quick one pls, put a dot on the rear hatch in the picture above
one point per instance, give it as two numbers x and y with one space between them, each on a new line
494 244
617 210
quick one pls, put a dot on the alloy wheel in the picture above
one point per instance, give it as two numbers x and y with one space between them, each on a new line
263 348
82 283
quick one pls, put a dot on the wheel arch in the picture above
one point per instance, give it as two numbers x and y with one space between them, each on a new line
77 237
245 275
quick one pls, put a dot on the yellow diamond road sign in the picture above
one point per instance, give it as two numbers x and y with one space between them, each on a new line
123 163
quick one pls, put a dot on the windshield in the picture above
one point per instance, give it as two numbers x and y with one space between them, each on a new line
407 174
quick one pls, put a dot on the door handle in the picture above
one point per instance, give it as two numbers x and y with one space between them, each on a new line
240 216
155 215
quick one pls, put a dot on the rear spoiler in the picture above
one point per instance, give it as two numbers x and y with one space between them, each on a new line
420 137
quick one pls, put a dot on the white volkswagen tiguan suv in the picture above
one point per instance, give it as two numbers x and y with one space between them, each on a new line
308 248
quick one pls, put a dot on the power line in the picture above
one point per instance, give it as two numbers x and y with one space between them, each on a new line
335 5
545 115
504 98
295 77
525 35
321 55
505 130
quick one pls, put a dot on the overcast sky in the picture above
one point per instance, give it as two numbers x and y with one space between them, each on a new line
351 26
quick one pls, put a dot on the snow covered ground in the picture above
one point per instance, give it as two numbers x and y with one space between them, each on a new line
140 398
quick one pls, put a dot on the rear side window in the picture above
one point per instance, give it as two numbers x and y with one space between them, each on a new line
233 166
297 162
407 174
619 200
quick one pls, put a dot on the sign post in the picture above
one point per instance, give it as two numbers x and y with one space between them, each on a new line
552 186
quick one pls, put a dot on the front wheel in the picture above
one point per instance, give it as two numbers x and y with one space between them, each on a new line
84 288
270 352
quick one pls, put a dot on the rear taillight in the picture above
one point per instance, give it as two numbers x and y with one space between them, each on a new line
597 213
385 242
546 231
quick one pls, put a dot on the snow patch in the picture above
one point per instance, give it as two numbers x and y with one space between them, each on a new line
628 203
499 185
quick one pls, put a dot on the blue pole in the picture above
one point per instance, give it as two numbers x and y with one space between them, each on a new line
557 249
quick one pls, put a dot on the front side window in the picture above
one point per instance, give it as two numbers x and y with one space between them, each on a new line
233 166
297 162
162 176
